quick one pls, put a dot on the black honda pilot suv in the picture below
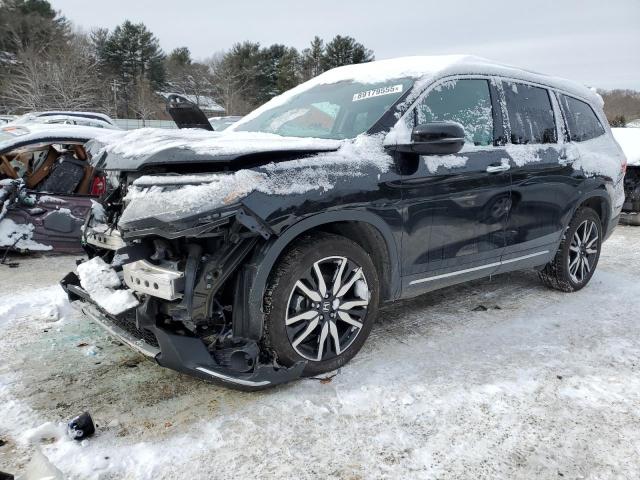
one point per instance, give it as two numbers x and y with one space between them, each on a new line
262 253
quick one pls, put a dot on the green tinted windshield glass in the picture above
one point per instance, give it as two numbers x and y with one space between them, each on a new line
339 110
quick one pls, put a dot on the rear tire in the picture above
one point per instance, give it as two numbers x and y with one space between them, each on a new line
577 257
320 303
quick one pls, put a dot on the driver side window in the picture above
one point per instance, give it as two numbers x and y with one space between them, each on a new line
465 101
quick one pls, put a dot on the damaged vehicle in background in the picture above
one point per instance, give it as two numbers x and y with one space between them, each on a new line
261 254
629 140
85 119
46 186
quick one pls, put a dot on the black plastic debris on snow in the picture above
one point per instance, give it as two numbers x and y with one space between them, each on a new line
81 427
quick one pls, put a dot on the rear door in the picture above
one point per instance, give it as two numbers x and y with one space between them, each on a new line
541 173
456 206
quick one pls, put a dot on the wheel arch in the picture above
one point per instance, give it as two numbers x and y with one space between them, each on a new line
598 200
364 227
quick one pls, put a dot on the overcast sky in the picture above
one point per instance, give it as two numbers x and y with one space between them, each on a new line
596 42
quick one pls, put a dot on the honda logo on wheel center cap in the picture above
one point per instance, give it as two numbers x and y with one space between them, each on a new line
326 306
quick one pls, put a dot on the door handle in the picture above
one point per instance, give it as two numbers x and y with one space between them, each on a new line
498 168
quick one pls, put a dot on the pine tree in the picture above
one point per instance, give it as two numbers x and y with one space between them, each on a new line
179 57
278 71
345 51
31 24
131 52
312 59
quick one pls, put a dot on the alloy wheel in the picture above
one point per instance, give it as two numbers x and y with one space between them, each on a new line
326 308
583 251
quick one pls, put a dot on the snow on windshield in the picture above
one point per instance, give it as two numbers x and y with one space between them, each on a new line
151 196
337 110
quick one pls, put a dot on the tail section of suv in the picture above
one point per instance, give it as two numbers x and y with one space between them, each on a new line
257 255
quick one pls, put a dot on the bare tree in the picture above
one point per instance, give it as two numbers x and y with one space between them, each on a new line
74 77
26 88
64 79
230 84
145 102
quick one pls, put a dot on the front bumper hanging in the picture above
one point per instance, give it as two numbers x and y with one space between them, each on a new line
187 354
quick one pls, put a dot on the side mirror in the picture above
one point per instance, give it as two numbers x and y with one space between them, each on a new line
435 138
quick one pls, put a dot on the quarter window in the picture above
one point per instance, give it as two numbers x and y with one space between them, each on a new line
581 120
530 114
467 102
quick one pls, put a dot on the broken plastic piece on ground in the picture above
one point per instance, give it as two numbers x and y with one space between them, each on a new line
81 427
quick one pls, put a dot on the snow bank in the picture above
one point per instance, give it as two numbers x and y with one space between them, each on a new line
101 281
629 141
19 236
150 196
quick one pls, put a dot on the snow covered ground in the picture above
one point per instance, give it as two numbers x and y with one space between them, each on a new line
542 384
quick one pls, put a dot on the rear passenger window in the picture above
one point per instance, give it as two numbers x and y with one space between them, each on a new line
582 122
530 114
467 102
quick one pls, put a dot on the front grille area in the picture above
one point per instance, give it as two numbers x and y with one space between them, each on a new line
128 324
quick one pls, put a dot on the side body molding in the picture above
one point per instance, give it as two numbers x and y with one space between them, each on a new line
252 280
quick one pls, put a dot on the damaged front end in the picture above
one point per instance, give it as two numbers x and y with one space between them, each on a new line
189 286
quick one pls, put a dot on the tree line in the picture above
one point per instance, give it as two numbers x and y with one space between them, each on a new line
46 64
621 106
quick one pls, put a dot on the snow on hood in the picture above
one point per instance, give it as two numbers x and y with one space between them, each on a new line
629 141
424 69
145 142
149 196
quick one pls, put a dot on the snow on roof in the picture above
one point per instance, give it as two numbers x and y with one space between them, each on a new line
629 141
70 113
25 134
204 102
148 141
425 69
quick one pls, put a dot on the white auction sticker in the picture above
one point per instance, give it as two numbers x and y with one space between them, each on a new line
377 92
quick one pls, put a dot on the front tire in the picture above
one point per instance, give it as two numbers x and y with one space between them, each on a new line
578 254
320 303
